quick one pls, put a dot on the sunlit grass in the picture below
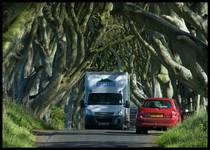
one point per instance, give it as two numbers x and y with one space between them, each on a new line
191 133
18 124
15 135
57 117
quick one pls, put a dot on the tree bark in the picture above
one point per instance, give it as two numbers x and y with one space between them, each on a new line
156 23
15 33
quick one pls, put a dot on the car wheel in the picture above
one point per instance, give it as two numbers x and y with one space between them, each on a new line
145 131
165 129
141 131
138 130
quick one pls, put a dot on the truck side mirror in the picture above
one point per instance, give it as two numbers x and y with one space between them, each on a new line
127 104
82 104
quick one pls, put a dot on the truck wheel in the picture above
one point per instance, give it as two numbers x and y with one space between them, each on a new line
87 126
128 127
121 127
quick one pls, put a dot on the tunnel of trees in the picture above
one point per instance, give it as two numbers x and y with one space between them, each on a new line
48 47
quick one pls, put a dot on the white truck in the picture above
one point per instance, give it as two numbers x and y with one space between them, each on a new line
107 100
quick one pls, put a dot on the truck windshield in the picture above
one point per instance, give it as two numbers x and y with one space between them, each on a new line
105 99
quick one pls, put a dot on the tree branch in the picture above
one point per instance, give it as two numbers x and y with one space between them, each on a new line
190 16
80 9
144 43
71 13
72 39
156 23
86 18
126 39
15 33
183 74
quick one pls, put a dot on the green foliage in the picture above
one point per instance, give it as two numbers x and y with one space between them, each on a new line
24 118
57 117
191 133
17 126
15 135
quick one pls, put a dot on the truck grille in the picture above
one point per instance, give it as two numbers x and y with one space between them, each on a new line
104 119
104 113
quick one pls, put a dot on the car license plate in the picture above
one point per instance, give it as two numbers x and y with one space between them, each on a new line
157 116
103 123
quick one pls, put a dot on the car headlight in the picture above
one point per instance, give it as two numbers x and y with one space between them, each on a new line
120 113
89 112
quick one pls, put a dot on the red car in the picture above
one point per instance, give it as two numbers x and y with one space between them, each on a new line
157 114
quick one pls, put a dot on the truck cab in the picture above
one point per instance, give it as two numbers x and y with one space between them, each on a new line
106 101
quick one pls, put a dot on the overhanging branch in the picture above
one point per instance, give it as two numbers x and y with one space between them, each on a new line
126 39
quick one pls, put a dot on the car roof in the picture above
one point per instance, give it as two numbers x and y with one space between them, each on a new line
158 98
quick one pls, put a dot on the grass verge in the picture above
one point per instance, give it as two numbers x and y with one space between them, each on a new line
18 125
57 117
192 132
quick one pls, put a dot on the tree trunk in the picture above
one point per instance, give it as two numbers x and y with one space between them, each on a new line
69 108
15 32
198 100
156 88
165 82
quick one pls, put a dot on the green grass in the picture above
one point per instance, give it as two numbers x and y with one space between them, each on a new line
191 133
18 124
57 117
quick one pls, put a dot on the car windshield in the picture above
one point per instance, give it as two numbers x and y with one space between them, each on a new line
157 104
105 99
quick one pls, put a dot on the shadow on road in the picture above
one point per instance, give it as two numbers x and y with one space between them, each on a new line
156 134
96 138
133 133
97 144
87 132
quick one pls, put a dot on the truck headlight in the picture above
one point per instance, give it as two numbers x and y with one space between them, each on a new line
89 112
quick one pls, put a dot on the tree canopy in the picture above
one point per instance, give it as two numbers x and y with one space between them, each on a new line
48 47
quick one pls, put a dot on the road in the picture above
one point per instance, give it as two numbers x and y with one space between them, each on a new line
95 138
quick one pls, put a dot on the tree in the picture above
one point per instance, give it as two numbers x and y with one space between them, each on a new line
48 47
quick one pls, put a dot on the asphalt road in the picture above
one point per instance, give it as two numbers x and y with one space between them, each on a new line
95 138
